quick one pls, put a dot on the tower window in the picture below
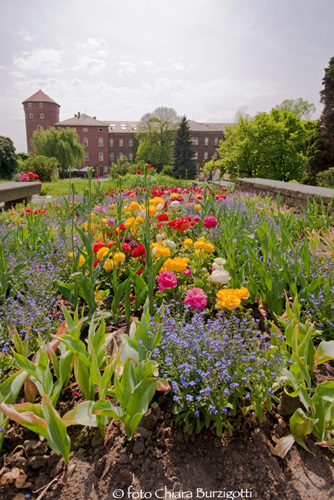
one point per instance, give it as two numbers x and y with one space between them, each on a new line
42 115
29 105
31 115
38 127
40 104
100 142
86 157
85 142
100 129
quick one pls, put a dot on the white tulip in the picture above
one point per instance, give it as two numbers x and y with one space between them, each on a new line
160 237
219 262
175 204
169 243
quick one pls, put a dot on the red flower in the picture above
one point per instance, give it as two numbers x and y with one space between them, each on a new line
196 218
181 224
95 176
97 246
139 271
149 166
95 263
162 217
126 248
159 225
138 172
111 243
122 227
139 251
28 211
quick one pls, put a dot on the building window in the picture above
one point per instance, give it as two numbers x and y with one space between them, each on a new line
100 129
111 157
120 155
38 127
206 155
131 156
196 155
40 104
100 156
31 115
206 141
85 142
85 129
41 115
215 155
195 141
29 105
74 129
111 143
130 143
216 141
86 157
121 143
100 142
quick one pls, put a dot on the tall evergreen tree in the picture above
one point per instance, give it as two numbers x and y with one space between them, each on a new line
184 154
321 145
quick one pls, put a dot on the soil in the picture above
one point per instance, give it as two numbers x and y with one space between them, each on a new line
163 461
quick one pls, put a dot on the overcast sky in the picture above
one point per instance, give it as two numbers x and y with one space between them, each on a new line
118 60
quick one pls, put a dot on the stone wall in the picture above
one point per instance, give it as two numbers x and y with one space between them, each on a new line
292 194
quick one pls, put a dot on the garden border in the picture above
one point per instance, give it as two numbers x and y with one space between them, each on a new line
12 193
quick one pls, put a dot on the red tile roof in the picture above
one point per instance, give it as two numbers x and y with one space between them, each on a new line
40 96
83 120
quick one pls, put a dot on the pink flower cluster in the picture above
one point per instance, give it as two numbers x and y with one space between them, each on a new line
210 222
196 299
29 177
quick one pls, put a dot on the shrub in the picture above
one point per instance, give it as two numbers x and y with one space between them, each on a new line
167 170
326 178
46 168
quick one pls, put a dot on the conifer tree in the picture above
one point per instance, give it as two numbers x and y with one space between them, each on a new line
184 155
321 145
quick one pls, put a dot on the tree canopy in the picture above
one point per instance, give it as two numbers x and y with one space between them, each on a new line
184 155
156 134
321 146
299 107
270 145
61 144
8 161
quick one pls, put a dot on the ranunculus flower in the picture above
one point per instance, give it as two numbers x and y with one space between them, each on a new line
166 279
138 172
97 246
187 272
196 299
210 221
196 218
126 248
139 251
220 276
149 166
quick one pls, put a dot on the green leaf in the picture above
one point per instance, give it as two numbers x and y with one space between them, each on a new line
325 352
106 409
81 414
27 419
57 435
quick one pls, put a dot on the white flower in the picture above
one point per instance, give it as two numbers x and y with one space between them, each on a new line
160 207
160 237
169 243
175 204
219 276
219 263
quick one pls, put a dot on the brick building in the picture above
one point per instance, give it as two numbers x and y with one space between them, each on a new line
106 141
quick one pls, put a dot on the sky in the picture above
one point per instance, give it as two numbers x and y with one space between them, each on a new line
118 60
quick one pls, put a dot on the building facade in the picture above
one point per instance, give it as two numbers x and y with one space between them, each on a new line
106 141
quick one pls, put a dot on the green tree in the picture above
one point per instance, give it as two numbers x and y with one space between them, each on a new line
156 135
299 107
64 145
8 163
184 155
270 145
321 143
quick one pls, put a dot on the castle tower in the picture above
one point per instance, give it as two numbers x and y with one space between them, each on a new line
41 111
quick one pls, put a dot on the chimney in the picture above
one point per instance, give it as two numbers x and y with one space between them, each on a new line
75 116
94 117
78 114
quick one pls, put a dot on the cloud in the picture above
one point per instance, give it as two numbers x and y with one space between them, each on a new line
90 64
126 68
43 60
27 37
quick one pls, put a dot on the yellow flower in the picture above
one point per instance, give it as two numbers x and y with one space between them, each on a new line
139 219
102 252
157 201
112 206
119 257
134 206
177 264
200 244
159 251
125 208
99 237
230 298
188 242
128 222
128 213
70 254
242 292
174 195
152 211
197 207
197 252
92 216
81 260
209 248
108 265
